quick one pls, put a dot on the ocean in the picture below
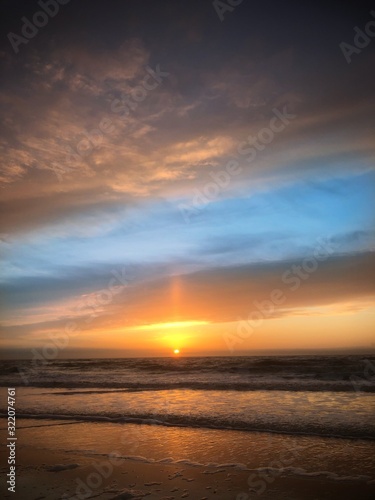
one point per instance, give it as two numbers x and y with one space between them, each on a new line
311 395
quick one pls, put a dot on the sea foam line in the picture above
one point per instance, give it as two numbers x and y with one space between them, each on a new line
196 424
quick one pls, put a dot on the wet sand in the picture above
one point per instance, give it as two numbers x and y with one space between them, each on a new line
74 474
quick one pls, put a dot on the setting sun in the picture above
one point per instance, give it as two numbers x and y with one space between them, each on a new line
176 351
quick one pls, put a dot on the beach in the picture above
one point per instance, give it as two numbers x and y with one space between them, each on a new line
54 462
273 427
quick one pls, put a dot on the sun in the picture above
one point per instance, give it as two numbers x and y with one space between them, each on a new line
176 351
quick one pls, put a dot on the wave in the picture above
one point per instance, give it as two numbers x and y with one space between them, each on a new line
263 384
303 429
315 365
291 373
215 468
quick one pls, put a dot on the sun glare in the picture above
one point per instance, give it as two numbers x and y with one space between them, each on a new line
176 351
174 324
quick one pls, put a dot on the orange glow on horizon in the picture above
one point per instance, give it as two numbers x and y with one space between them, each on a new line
175 333
172 324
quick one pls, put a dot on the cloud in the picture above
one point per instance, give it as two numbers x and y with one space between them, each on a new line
217 295
224 294
47 209
176 129
72 213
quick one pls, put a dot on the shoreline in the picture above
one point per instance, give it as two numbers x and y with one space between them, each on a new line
70 473
154 422
52 475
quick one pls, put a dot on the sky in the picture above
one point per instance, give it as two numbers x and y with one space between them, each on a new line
191 175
